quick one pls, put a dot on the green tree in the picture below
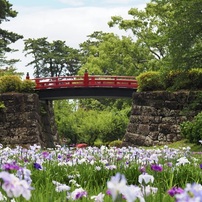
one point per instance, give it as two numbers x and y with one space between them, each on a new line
192 130
115 125
91 127
78 124
149 32
52 58
107 53
67 121
107 104
6 37
89 47
93 104
10 71
185 35
170 30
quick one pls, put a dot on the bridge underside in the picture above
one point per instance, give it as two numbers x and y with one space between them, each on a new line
79 93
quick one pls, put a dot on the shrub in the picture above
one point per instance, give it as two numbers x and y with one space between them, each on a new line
114 126
98 143
195 76
150 81
170 80
176 80
192 130
27 86
10 83
116 143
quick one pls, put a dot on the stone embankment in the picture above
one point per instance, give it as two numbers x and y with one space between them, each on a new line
24 120
156 116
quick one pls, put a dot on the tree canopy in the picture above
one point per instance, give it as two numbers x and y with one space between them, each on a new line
186 33
6 37
77 124
107 53
169 29
52 58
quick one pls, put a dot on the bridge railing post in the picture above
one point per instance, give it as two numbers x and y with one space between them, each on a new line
115 80
27 76
37 83
86 78
92 79
56 81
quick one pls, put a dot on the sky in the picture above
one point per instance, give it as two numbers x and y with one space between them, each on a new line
67 20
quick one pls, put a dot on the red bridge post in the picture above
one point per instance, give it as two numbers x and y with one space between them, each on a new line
27 76
92 79
86 78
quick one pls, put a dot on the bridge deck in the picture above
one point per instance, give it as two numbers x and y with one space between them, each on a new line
79 93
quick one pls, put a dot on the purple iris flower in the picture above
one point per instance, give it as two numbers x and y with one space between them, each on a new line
142 169
169 164
69 156
45 154
10 166
26 160
81 194
156 167
175 190
108 192
200 166
37 166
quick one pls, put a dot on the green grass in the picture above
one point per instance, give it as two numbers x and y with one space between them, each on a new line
185 143
181 144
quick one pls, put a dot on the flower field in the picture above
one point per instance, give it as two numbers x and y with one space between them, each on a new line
100 174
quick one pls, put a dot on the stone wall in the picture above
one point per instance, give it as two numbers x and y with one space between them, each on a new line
156 116
26 121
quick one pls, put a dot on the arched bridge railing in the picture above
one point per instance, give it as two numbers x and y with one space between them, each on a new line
86 81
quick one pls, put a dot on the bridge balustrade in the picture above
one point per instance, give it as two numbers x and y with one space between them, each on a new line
86 81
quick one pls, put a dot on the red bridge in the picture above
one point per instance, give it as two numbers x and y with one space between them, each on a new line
86 86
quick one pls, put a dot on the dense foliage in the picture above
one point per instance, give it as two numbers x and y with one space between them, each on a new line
185 33
170 80
150 81
10 71
52 58
10 84
77 124
6 37
107 53
169 30
13 83
192 130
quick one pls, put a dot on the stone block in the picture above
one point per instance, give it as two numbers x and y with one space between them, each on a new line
143 129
